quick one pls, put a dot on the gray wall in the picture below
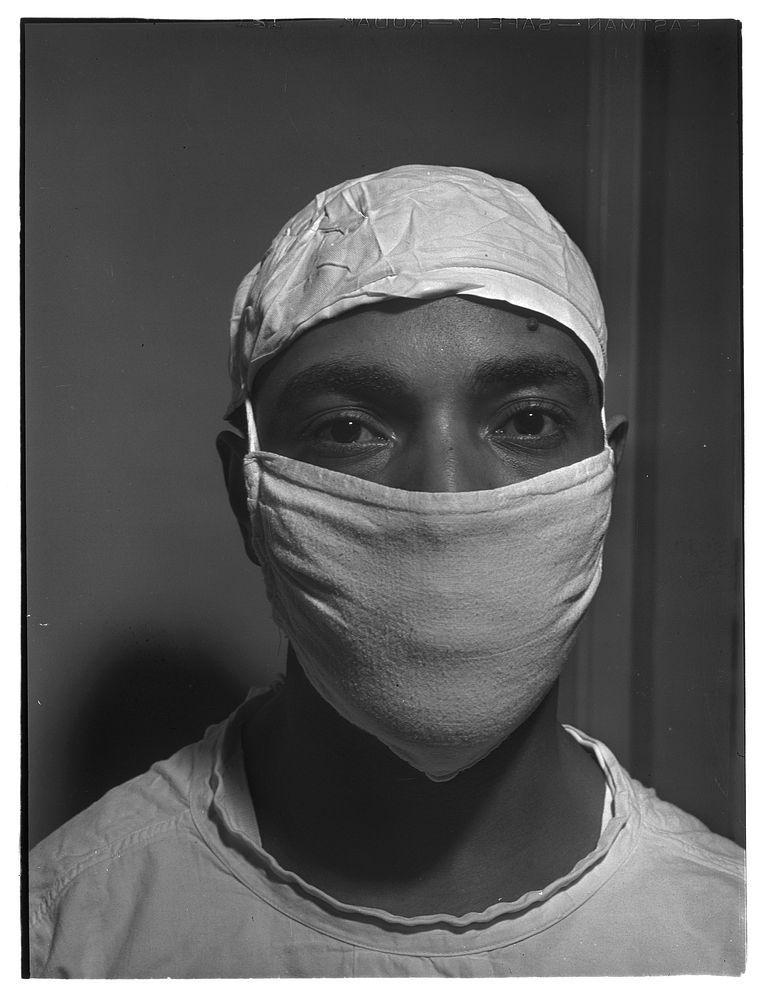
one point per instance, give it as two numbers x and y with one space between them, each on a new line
160 159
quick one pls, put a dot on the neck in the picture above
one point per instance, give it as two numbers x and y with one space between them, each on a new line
336 806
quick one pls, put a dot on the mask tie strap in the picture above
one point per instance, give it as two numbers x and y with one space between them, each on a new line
253 480
252 434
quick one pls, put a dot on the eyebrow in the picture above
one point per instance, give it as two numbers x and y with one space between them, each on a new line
357 379
531 369
342 377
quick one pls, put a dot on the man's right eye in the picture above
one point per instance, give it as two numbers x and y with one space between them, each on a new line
344 431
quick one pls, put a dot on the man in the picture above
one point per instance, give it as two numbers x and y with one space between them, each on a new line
424 474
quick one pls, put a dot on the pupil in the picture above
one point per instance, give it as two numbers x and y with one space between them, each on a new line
344 431
530 422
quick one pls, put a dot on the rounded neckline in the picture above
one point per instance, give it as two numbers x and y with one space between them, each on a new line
225 817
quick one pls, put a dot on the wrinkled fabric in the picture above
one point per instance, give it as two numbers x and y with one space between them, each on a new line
464 605
166 877
413 232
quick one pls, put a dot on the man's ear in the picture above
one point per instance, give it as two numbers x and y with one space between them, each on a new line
232 449
616 433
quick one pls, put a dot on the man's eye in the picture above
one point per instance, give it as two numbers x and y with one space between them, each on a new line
345 431
532 425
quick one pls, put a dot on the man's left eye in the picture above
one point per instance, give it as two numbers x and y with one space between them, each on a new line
530 425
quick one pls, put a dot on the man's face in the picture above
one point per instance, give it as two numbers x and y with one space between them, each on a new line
443 396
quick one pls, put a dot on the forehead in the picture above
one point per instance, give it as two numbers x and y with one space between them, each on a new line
441 338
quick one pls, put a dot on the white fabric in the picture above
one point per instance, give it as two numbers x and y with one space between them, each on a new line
413 232
606 812
166 876
435 621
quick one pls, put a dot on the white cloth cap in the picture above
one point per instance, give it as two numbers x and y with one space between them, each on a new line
413 232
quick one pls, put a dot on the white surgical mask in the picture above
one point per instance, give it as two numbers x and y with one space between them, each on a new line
435 621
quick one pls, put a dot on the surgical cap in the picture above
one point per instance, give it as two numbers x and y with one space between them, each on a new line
412 232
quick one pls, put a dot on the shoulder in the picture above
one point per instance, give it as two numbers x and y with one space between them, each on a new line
674 890
686 887
685 840
107 852
667 830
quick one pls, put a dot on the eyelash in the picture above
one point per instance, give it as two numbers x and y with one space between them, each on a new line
539 407
325 421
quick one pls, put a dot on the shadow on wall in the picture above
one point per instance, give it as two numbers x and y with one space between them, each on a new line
142 709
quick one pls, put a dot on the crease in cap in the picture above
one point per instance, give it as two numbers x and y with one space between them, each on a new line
413 232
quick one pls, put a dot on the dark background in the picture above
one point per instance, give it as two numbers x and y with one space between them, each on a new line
161 158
